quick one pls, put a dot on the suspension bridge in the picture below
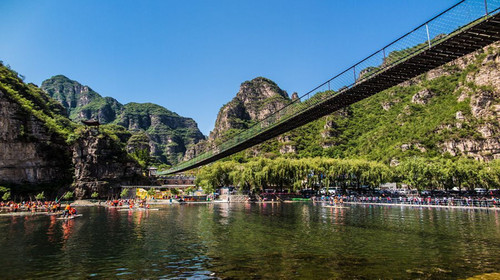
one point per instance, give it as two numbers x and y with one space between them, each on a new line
462 29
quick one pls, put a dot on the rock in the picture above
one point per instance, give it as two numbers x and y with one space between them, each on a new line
386 106
287 145
255 100
30 153
484 150
394 162
405 147
422 97
480 103
101 165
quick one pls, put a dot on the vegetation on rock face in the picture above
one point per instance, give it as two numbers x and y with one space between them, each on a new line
414 119
35 102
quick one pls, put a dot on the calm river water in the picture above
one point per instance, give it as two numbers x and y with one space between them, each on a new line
256 241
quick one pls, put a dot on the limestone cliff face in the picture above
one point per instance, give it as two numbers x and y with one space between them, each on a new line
30 154
481 90
101 165
255 100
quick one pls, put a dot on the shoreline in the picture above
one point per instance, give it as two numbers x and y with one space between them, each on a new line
426 206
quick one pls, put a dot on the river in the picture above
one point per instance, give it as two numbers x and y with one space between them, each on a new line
253 241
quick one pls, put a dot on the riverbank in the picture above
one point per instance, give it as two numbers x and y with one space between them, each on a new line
425 206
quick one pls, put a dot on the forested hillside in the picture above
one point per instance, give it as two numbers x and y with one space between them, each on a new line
165 134
452 111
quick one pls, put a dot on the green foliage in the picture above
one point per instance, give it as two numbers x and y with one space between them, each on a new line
40 196
6 193
35 102
124 193
6 196
142 157
174 191
151 192
94 195
68 195
285 173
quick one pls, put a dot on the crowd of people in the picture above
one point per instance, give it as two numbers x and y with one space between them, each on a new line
33 206
463 200
131 203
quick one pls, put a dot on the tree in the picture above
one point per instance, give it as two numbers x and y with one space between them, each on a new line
151 192
40 196
6 191
416 172
174 191
68 195
124 193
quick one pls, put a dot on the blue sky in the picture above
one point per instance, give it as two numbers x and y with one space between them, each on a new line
192 56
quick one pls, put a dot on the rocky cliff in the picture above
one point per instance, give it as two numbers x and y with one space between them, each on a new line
31 155
42 150
102 165
255 100
168 134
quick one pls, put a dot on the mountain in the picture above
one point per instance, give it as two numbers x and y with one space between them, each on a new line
43 150
81 102
166 133
252 103
451 111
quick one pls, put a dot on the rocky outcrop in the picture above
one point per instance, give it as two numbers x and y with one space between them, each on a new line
101 165
482 149
422 97
287 146
255 100
31 154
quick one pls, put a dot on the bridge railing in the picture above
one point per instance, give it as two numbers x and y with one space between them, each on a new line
455 19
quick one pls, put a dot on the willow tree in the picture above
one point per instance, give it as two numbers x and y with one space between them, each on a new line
415 172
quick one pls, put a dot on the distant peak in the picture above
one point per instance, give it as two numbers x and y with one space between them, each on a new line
260 86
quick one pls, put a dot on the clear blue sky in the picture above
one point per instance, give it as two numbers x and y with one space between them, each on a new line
192 56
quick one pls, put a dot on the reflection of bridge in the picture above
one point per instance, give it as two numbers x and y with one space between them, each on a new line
464 28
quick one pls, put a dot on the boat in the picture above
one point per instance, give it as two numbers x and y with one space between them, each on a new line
54 213
139 209
335 206
69 217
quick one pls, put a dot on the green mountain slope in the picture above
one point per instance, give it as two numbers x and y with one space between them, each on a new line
166 133
452 111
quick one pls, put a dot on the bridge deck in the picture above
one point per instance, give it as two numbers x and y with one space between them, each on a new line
462 42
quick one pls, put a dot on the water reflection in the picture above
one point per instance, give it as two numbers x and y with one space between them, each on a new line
266 240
